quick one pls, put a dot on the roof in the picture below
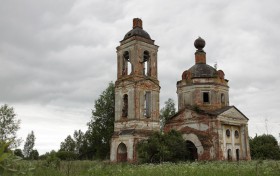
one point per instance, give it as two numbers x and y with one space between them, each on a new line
212 113
202 71
137 31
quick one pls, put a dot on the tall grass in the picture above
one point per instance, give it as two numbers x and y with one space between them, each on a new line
214 168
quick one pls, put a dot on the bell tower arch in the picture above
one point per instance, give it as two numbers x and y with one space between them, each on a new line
136 91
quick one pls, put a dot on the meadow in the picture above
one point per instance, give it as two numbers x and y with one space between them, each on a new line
93 168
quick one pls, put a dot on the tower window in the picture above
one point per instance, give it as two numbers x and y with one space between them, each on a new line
206 97
125 106
127 67
146 63
147 105
223 98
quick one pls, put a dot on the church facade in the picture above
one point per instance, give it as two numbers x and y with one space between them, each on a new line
212 129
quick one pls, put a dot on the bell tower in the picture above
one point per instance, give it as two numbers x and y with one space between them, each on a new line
136 93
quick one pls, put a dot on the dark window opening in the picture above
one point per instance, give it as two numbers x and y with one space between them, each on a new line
222 98
236 134
228 133
125 106
147 105
206 97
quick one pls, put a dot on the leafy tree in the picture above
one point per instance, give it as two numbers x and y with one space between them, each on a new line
18 152
68 145
81 144
101 125
264 147
162 147
167 111
34 155
9 125
29 144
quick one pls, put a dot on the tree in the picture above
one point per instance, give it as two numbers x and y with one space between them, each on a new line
18 152
68 145
264 147
101 125
167 111
29 144
34 155
162 147
9 125
80 144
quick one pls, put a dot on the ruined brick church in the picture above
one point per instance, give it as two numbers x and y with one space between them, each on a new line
212 129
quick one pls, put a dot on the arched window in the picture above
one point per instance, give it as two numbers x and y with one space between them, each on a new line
236 134
127 67
146 63
147 105
125 106
228 133
223 98
122 153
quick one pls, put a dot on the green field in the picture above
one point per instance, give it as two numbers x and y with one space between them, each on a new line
90 168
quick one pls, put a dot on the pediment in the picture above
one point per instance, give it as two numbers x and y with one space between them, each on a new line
232 115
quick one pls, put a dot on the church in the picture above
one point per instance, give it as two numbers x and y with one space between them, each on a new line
212 128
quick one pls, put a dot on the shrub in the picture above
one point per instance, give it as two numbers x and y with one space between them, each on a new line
162 148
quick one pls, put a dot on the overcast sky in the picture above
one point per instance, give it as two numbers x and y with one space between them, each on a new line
57 56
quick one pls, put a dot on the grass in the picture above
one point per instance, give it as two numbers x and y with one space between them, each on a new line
214 168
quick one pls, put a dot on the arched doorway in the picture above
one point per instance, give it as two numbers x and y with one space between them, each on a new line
192 150
122 153
229 155
237 154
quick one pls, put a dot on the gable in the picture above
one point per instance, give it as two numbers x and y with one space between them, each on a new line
233 115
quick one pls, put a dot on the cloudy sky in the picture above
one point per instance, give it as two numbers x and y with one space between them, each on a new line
57 56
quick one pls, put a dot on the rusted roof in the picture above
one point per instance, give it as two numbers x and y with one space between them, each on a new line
203 71
137 31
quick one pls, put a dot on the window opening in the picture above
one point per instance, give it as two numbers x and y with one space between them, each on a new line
206 97
146 62
125 106
228 133
127 67
147 105
223 98
236 134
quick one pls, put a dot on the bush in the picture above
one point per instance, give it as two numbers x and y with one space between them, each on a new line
65 155
264 147
162 148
